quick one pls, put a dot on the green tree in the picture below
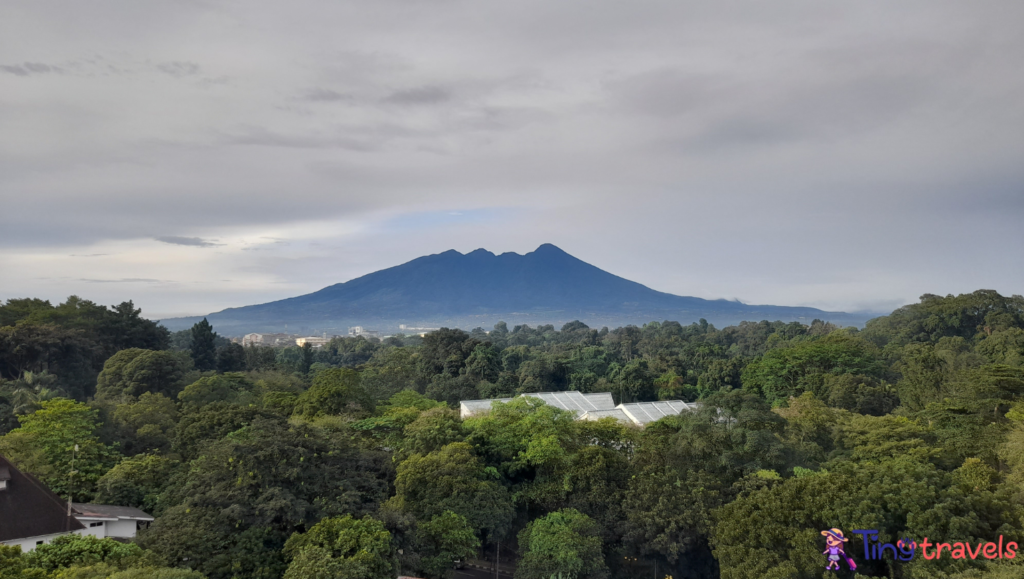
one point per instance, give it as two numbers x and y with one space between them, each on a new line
231 387
446 538
390 371
343 548
231 358
565 542
148 423
11 562
44 445
452 479
201 425
433 429
70 550
334 391
785 372
132 372
203 346
137 482
248 491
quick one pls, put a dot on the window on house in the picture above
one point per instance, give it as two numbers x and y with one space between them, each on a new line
39 543
99 524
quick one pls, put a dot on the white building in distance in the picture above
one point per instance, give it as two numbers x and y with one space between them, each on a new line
314 341
357 331
268 339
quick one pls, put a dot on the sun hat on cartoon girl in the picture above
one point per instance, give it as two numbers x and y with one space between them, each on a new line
834 534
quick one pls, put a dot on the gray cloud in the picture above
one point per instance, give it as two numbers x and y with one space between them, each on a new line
326 95
317 140
178 68
831 154
190 241
30 68
124 280
425 95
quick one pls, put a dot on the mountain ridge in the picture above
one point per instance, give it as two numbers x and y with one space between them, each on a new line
479 288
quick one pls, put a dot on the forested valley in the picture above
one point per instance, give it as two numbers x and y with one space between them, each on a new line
351 460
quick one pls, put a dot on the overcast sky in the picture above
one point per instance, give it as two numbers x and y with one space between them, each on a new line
195 155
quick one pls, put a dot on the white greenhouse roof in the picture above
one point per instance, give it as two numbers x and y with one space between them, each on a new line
646 412
615 413
591 406
575 401
468 407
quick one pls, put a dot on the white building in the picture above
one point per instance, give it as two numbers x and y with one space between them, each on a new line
590 407
573 401
314 341
111 521
356 331
32 515
642 413
268 339
414 331
252 339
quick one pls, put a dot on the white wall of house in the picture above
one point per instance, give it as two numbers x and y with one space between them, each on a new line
122 528
30 543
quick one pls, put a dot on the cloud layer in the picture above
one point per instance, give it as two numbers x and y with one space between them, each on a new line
214 154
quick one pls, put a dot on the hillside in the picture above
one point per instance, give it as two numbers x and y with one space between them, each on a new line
479 288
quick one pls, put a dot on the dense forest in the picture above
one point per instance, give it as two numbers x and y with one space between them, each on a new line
351 460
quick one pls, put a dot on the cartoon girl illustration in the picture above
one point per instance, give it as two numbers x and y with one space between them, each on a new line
834 540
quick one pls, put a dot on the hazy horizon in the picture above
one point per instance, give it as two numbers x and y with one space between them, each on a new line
195 156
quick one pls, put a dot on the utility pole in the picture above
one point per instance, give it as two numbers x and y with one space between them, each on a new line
497 561
71 483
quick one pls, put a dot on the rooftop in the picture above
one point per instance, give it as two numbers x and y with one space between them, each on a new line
29 509
646 412
110 512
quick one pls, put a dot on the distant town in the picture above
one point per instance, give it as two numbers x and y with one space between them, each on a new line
282 340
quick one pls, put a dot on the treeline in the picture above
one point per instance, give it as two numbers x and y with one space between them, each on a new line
351 461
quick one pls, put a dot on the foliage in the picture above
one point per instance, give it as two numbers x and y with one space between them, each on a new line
913 425
803 367
217 388
254 487
342 547
133 372
564 541
71 340
203 346
334 391
69 550
137 482
446 538
45 445
451 479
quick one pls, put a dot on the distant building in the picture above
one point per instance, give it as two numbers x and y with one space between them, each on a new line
572 401
590 407
268 340
32 515
642 413
314 341
357 331
410 330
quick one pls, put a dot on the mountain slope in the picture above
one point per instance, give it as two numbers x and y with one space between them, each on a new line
479 288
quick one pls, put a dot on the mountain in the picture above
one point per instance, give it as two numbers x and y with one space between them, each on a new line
480 288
